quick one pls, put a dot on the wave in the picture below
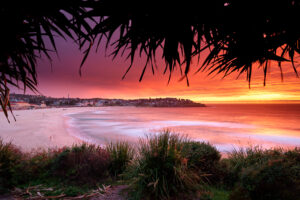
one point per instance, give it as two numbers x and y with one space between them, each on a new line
92 127
208 123
99 112
74 130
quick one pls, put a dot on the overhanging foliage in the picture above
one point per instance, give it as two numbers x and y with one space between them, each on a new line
236 34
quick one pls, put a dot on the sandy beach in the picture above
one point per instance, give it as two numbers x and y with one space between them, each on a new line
41 128
222 126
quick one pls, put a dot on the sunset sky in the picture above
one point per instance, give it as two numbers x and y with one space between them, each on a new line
102 77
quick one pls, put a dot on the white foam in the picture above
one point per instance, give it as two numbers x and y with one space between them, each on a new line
207 123
99 112
73 130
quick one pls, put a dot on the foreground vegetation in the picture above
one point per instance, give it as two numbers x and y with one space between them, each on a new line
163 166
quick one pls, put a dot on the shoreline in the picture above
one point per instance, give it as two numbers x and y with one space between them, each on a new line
71 129
56 127
40 129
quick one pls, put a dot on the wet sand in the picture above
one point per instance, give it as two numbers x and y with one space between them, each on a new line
41 128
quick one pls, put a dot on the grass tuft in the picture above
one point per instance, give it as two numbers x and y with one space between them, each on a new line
121 154
161 171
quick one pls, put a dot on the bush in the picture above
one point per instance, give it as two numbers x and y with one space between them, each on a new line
276 176
161 170
293 155
202 157
38 164
121 154
82 163
253 155
238 160
11 161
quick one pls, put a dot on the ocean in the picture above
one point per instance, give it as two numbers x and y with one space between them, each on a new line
226 126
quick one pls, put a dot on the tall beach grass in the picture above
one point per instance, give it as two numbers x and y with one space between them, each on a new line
121 154
161 171
164 165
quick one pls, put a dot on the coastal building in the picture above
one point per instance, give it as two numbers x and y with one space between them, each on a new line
100 103
79 104
56 103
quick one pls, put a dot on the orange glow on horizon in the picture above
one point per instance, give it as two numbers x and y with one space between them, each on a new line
252 96
102 78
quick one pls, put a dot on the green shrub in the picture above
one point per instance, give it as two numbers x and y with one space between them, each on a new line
240 159
121 154
293 155
38 165
11 162
82 163
276 175
202 157
161 169
270 181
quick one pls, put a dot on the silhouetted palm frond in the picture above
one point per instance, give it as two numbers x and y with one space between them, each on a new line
26 26
236 33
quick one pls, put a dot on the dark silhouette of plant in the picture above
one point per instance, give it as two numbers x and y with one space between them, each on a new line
231 35
28 31
235 33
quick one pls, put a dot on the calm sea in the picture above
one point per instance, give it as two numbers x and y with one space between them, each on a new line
227 126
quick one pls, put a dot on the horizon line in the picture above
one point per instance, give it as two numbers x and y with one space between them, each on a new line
204 101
